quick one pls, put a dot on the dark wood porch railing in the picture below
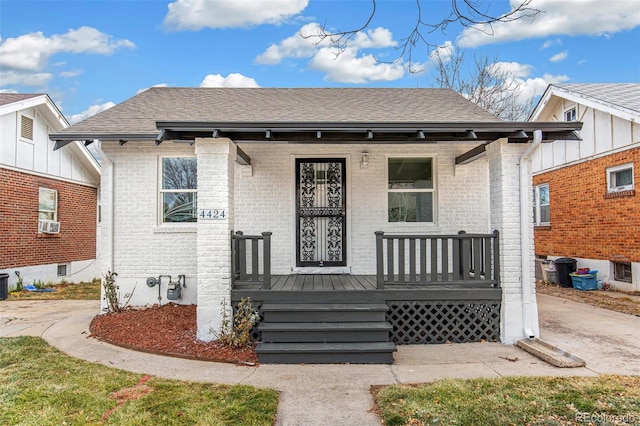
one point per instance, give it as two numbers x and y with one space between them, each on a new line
241 260
438 259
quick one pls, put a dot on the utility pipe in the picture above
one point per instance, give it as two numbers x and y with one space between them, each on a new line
525 234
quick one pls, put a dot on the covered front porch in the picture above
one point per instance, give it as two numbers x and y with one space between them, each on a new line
428 289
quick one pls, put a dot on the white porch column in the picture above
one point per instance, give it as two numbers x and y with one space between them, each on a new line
216 161
504 178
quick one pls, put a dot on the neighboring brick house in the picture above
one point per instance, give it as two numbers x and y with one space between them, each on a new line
585 194
48 199
309 176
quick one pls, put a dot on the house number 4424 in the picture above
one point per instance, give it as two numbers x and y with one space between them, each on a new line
212 214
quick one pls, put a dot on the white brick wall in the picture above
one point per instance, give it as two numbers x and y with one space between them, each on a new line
504 190
141 247
263 200
216 161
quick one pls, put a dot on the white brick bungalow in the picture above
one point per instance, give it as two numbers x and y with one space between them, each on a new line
309 176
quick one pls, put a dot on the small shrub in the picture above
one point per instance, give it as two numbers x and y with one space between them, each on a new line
112 293
235 330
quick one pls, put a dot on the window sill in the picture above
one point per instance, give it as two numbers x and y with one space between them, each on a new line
543 227
45 235
620 194
167 229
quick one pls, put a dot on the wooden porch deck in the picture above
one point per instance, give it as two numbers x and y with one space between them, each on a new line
338 288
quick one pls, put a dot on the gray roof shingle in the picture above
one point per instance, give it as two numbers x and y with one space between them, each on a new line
626 95
9 98
139 114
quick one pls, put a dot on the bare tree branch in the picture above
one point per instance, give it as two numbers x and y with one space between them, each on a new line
487 85
468 13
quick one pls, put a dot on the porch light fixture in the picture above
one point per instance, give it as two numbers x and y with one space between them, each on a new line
369 134
318 134
122 142
215 133
521 134
267 134
470 134
364 160
421 134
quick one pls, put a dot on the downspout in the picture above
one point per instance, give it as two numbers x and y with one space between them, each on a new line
525 233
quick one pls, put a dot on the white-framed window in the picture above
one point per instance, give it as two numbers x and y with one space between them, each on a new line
178 189
622 272
410 189
47 204
541 213
571 114
26 127
620 178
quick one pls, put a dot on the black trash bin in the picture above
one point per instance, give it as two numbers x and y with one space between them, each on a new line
565 266
4 286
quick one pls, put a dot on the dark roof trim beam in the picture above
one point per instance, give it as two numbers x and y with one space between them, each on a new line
472 155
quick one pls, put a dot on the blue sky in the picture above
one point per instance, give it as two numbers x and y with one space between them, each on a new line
90 55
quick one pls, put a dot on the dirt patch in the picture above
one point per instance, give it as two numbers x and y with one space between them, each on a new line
616 301
167 330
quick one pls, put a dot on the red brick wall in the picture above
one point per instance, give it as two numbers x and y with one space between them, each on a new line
584 223
20 243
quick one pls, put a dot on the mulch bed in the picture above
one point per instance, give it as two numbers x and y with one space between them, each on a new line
167 330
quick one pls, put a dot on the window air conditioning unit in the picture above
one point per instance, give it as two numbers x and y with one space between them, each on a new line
48 227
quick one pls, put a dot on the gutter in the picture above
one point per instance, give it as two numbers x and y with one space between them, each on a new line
526 235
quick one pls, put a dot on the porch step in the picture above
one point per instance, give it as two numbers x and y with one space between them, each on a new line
325 333
323 312
287 332
326 353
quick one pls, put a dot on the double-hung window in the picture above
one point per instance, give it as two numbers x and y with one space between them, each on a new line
178 192
411 190
570 114
620 178
541 214
47 204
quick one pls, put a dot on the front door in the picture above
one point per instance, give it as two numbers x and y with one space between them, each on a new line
321 212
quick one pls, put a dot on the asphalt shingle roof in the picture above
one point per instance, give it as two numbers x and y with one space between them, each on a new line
626 95
139 114
9 98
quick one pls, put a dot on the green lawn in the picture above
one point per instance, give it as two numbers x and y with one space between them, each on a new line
513 401
41 386
79 291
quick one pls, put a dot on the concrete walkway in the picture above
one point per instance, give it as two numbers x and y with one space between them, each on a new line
340 394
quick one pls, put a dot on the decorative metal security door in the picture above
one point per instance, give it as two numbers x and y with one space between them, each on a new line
320 212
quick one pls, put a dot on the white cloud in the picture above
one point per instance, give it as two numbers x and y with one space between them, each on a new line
348 66
198 14
549 43
30 52
576 17
92 110
8 91
528 87
231 80
295 46
72 73
558 57
16 78
444 52
23 58
155 85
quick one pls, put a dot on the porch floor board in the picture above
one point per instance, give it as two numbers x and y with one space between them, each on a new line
338 287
